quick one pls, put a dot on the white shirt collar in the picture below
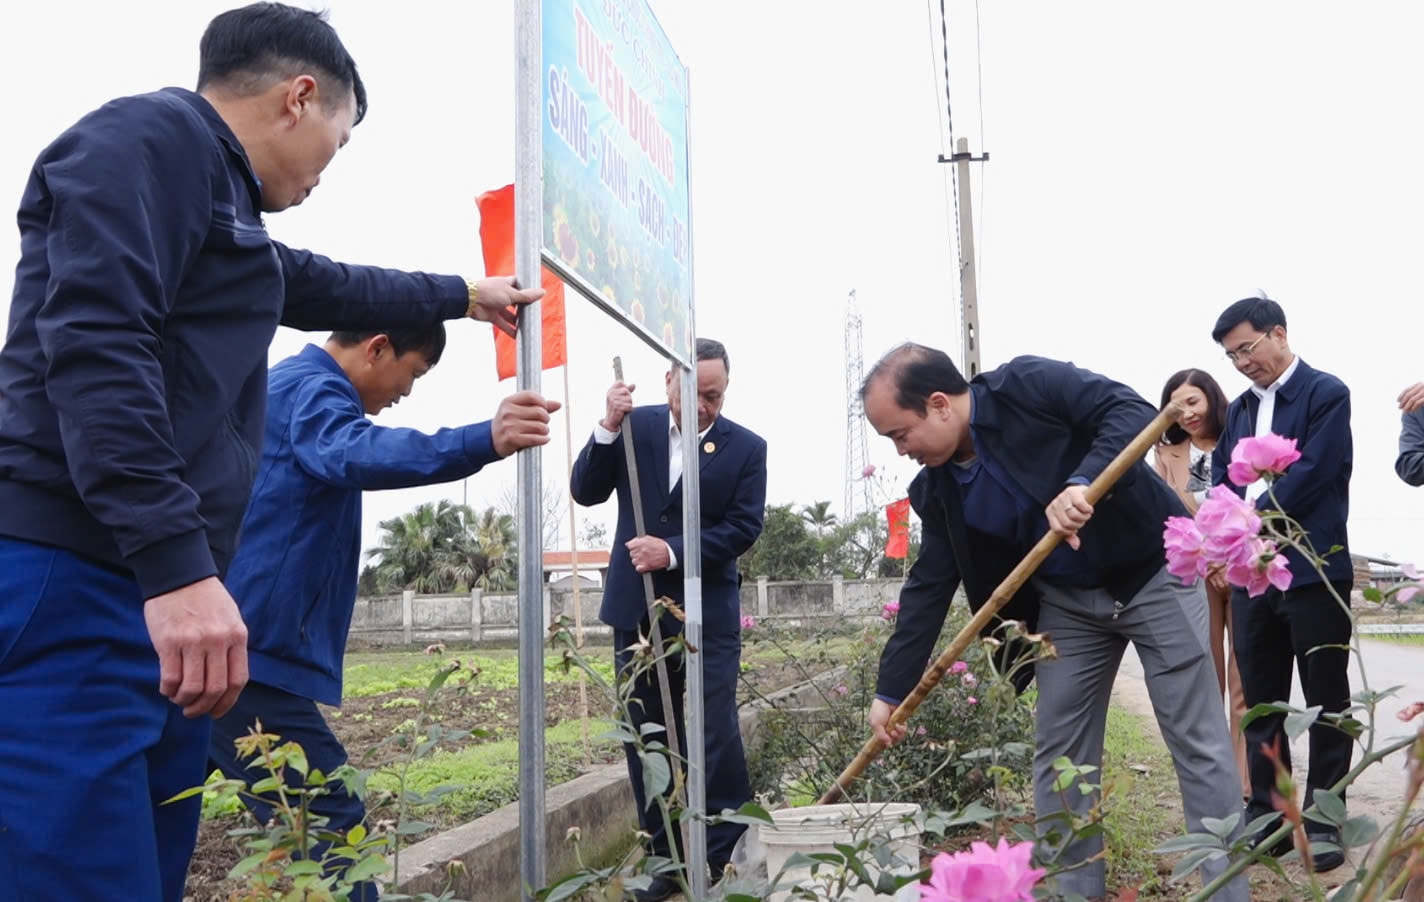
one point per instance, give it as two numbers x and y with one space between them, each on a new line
1284 378
674 428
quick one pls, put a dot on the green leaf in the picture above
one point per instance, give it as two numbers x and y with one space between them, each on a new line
246 865
1222 827
356 834
1331 809
1189 842
1372 594
1263 710
186 794
302 868
410 828
1359 830
366 868
1194 859
750 814
267 784
1300 721
656 776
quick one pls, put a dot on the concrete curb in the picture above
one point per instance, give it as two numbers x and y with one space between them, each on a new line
599 803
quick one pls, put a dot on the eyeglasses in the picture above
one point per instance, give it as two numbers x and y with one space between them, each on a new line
1244 351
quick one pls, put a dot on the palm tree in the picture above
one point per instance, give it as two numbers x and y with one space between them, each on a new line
819 516
444 547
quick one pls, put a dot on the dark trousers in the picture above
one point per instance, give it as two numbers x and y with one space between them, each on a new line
89 750
728 783
294 719
1272 632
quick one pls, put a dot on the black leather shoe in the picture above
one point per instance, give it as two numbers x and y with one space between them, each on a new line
1325 861
661 888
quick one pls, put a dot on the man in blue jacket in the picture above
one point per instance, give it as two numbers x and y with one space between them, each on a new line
1005 459
294 577
732 468
132 384
1304 627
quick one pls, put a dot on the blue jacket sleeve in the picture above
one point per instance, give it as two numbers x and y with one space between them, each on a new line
334 442
1410 463
131 205
924 602
1323 454
595 474
323 294
730 537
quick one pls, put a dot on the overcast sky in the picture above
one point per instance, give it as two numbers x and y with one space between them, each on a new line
1151 163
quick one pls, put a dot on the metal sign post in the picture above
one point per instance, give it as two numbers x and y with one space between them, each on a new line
692 630
528 239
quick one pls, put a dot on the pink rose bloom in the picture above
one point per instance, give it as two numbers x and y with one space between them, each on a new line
921 731
868 472
1268 455
958 667
1226 522
969 680
972 700
890 610
1411 711
748 622
1183 543
1260 566
983 873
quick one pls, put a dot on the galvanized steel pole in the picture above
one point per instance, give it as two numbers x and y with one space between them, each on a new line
528 238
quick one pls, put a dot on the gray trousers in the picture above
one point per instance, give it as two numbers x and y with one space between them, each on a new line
1167 622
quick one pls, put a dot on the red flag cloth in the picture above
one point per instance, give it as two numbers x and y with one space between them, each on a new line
497 242
897 545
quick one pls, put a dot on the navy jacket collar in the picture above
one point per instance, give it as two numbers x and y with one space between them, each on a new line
209 113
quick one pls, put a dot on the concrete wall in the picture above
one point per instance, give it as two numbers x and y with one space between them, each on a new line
409 618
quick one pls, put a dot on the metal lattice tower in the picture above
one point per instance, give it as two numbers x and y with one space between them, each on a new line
857 487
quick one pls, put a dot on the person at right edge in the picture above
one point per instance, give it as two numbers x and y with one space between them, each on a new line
1304 626
1005 459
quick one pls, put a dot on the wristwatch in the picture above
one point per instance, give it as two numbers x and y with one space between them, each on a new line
474 288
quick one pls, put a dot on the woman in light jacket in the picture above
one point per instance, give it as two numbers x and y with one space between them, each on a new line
1183 459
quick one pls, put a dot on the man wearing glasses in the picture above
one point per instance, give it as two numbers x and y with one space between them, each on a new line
1303 626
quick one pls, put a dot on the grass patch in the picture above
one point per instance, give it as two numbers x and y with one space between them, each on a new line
487 775
1397 639
1145 804
374 673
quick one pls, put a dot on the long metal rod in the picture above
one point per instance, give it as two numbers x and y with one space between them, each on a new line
692 567
692 629
1130 455
574 568
655 631
528 237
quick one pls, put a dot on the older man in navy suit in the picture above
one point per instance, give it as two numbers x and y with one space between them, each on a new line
732 462
1304 625
1005 458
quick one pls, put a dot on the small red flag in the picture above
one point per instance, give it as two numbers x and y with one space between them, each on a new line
897 545
497 242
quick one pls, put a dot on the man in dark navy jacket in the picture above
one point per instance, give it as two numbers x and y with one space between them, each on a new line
132 386
294 577
1278 630
732 468
1006 458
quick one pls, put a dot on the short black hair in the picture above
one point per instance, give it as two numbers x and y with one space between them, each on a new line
245 49
711 349
1263 314
1216 403
428 340
917 372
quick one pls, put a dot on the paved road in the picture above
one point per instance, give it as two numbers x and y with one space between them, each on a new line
1379 789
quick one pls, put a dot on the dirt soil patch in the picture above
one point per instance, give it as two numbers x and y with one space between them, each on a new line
364 724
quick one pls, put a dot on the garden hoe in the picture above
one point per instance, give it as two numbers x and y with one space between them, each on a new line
749 854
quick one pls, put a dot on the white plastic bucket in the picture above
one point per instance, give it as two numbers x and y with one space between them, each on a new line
817 828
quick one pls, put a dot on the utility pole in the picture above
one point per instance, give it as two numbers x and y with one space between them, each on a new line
968 287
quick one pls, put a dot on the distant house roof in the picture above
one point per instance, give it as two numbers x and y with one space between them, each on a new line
593 559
